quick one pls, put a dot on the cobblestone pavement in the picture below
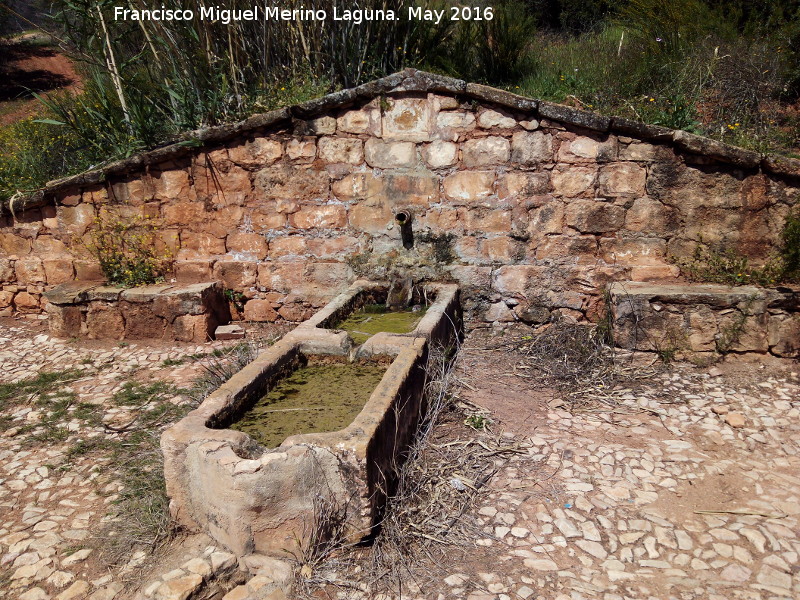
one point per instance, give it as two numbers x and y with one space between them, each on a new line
52 509
689 489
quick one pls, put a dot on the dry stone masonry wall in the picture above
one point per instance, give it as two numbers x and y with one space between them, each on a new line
532 207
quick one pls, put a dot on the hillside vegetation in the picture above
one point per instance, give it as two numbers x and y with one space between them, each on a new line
727 69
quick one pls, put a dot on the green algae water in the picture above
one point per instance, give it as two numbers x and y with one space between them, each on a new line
312 399
374 318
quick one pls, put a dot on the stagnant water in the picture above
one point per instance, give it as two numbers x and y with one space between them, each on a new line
374 318
312 399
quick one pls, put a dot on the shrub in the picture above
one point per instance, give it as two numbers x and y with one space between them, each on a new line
127 250
33 152
728 267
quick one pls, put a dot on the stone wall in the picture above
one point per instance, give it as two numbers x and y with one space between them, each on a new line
531 207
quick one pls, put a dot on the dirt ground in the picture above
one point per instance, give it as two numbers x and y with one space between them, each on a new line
29 67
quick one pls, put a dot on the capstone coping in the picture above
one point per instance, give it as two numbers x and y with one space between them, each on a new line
700 293
412 80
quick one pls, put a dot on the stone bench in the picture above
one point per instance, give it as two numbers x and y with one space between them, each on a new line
706 318
186 313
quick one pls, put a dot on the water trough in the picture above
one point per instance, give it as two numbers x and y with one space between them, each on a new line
255 498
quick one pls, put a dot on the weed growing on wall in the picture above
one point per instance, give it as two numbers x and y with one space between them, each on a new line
728 267
127 250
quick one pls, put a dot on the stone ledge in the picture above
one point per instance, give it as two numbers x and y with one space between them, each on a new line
189 313
702 319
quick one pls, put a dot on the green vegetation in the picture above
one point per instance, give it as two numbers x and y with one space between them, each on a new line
724 68
44 383
128 250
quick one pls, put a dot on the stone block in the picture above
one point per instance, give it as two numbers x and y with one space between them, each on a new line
258 152
481 152
372 217
58 270
456 121
473 277
251 245
301 149
226 184
408 119
76 219
503 249
469 186
390 155
64 321
185 214
574 182
47 244
654 272
192 271
531 147
366 120
341 150
633 251
414 188
295 312
621 179
640 152
6 299
588 216
518 281
104 321
547 219
492 118
499 312
7 273
290 245
282 276
195 299
88 270
173 185
331 216
784 335
260 310
477 220
193 328
30 270
296 182
650 216
581 149
27 303
104 293
440 154
523 185
441 220
236 274
267 218
320 126
229 332
180 588
333 248
140 321
200 245
572 249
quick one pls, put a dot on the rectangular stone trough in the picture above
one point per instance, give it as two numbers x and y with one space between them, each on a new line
442 322
255 499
